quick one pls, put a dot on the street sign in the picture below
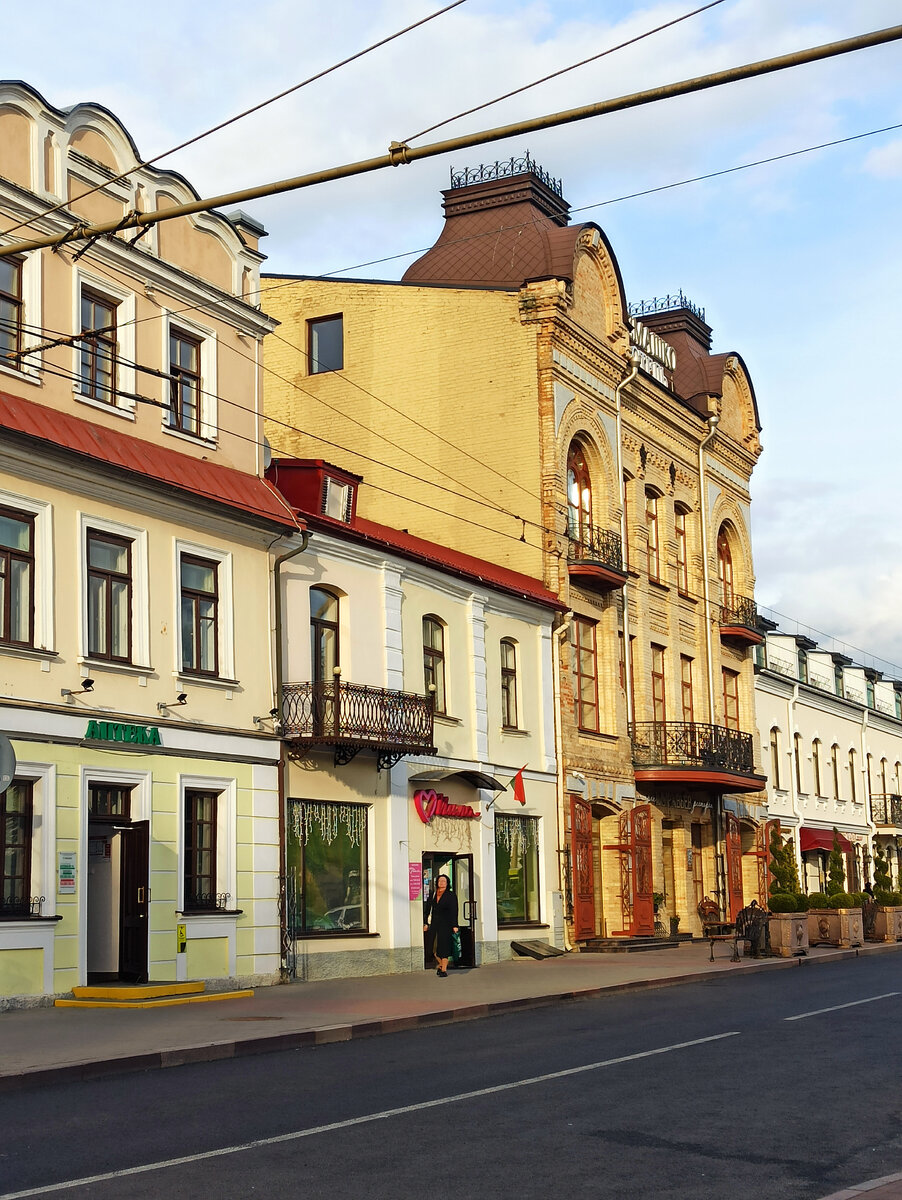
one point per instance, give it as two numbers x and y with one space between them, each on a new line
7 763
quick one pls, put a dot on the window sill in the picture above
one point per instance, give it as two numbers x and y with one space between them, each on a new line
105 664
194 439
597 734
127 414
324 935
659 584
444 719
21 376
24 922
190 913
511 731
214 681
26 651
685 596
502 925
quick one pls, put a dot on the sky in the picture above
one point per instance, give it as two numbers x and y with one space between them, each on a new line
796 263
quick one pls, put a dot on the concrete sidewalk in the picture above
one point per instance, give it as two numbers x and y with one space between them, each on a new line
50 1045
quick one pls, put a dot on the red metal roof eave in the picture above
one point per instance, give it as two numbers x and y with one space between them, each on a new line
439 557
821 839
170 468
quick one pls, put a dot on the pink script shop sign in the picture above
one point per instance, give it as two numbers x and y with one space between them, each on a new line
429 804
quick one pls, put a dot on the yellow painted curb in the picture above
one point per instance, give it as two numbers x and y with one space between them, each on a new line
144 991
167 1001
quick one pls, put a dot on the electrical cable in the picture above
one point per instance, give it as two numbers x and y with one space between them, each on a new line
238 117
556 74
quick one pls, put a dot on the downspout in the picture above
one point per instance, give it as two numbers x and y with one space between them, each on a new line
557 639
717 810
624 533
277 660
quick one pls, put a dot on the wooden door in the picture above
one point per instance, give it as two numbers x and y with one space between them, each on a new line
733 841
643 904
583 882
762 850
134 903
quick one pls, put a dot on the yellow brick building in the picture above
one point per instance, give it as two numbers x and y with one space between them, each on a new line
502 400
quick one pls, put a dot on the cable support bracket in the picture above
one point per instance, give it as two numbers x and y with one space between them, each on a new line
126 220
78 230
399 152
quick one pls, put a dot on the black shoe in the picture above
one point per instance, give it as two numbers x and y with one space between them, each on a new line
443 974
438 970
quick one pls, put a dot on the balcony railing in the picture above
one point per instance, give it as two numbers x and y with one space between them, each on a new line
687 744
352 716
886 809
20 908
596 555
739 620
207 901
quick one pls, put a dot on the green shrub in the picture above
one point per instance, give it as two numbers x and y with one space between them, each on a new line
860 897
882 881
842 900
782 902
836 870
803 903
782 866
819 900
884 896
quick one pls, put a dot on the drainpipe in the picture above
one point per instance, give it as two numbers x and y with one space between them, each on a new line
277 683
624 532
557 640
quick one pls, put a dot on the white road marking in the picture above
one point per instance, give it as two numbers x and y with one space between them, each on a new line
836 1007
378 1116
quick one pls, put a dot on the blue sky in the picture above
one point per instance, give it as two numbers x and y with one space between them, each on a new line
797 263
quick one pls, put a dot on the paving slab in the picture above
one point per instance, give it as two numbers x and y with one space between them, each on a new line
48 1045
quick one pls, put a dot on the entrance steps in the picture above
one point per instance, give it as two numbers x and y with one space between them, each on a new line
146 995
625 945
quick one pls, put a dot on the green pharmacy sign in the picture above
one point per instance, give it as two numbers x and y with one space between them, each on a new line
112 731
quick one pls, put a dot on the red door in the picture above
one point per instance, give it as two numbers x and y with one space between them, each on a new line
762 850
643 922
733 839
583 875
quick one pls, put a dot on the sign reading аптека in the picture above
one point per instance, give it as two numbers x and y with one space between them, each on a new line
112 731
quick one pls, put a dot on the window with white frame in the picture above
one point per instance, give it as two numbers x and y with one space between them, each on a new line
190 398
104 366
205 623
208 844
27 840
115 621
20 314
26 572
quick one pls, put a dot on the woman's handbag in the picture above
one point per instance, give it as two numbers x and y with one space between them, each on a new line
455 947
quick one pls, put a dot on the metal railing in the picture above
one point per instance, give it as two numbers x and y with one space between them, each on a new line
20 907
593 545
886 809
742 610
688 744
207 901
332 713
505 169
666 304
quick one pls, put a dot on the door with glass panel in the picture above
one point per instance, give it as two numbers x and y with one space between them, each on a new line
459 869
324 659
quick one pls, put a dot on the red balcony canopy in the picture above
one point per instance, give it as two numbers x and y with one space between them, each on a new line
821 839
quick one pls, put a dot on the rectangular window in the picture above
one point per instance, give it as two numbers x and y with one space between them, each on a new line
11 310
651 524
325 348
682 558
16 577
585 671
626 522
797 760
109 596
327 867
15 850
200 852
199 615
658 685
834 763
852 773
434 662
816 766
686 688
775 756
517 869
98 347
184 382
730 699
109 802
508 684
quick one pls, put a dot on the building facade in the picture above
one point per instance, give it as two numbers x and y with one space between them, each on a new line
502 400
139 838
416 683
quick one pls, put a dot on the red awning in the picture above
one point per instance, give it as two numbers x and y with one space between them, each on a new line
821 839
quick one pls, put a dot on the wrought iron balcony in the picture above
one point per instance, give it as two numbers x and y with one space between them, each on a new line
20 908
351 717
690 754
739 621
595 558
886 809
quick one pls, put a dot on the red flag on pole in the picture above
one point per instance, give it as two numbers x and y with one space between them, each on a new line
519 789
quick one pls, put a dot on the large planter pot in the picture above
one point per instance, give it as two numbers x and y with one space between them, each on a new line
888 924
835 927
788 934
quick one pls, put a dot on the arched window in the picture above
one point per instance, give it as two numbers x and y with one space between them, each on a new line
434 661
883 766
834 764
870 780
508 683
797 760
654 539
775 756
816 765
324 649
579 495
725 568
853 792
682 549
897 774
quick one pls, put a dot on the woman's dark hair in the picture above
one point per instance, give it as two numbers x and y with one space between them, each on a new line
435 885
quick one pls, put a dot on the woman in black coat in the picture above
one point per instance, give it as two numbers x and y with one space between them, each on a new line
441 917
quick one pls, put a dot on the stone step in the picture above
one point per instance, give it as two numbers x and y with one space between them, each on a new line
148 996
627 945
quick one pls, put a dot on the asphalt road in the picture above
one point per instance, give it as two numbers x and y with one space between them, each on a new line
734 1087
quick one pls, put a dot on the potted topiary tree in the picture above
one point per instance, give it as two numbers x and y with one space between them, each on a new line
835 918
888 920
787 923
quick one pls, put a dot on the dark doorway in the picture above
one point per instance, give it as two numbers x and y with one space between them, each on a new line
459 869
118 900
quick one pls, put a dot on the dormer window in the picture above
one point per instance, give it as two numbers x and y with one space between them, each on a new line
337 499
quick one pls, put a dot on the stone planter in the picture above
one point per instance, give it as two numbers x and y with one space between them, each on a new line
835 927
888 924
788 934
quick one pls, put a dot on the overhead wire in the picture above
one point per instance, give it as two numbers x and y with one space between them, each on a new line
556 74
232 120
